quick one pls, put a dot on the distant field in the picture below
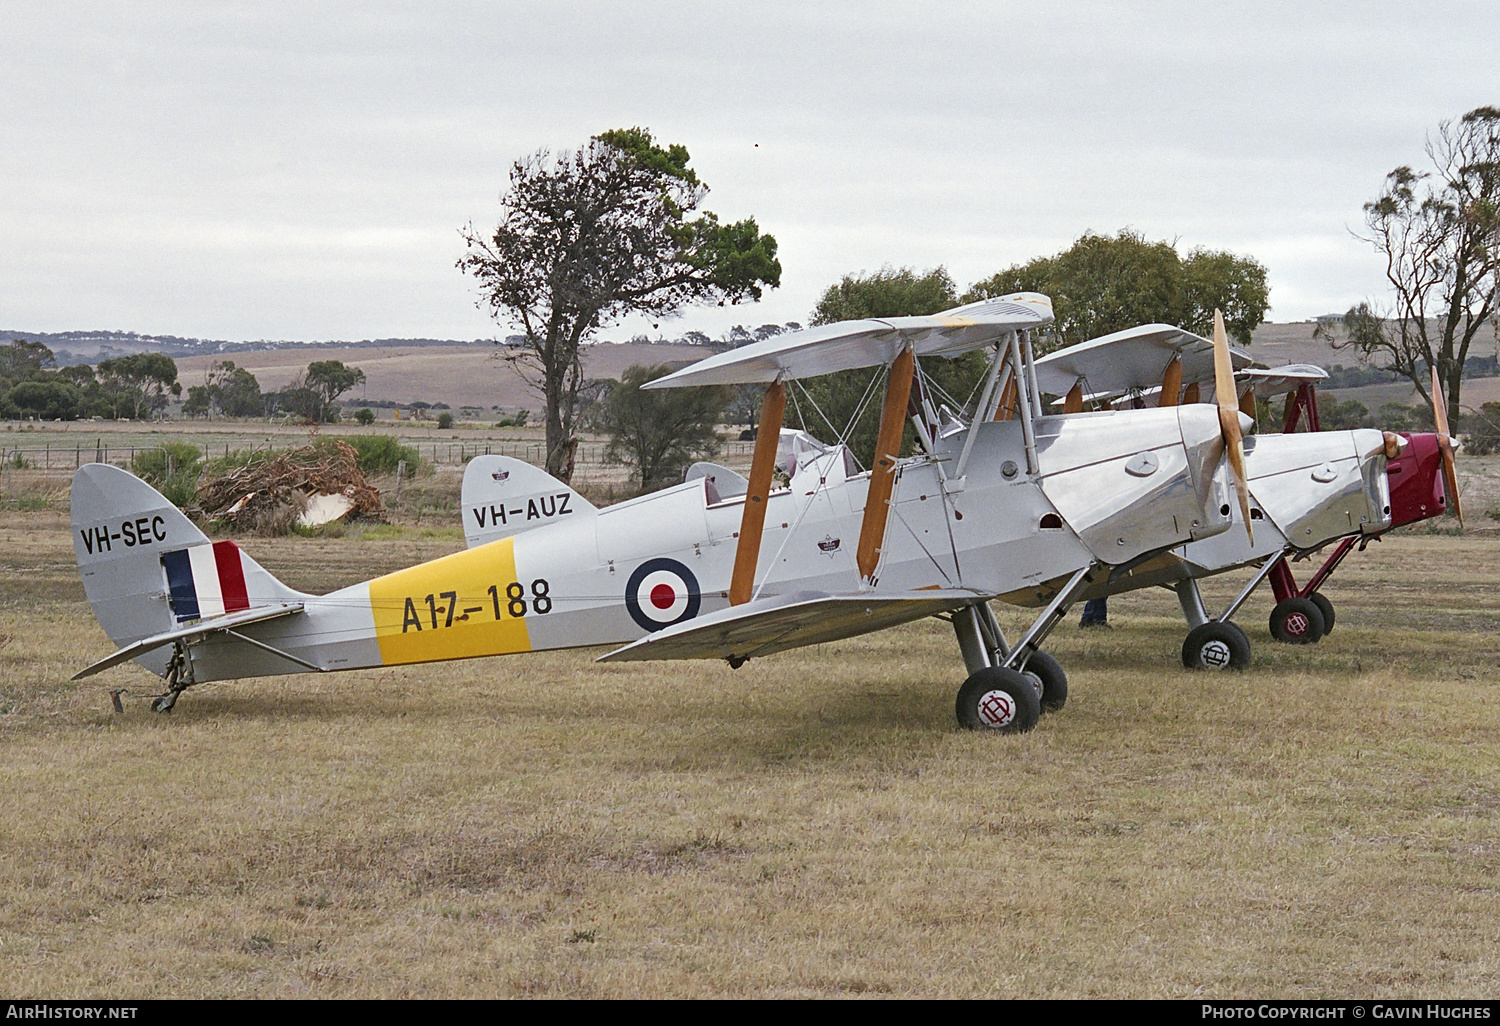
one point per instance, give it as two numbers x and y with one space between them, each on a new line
463 375
1325 825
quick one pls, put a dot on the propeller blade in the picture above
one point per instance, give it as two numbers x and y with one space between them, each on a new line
1445 445
1439 404
1229 418
1224 387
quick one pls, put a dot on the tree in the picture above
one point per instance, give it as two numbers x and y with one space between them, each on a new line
592 236
137 386
301 399
19 359
659 432
331 379
364 416
1104 283
227 390
889 292
1439 232
52 399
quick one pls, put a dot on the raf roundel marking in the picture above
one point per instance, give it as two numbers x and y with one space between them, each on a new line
996 708
660 593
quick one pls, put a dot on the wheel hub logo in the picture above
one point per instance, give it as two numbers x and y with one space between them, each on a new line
997 709
1296 624
1216 655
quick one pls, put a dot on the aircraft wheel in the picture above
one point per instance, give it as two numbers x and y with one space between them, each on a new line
1297 621
1000 699
1216 646
1326 608
1050 680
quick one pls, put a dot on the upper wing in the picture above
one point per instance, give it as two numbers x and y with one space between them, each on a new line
1131 360
219 623
1277 380
789 621
849 345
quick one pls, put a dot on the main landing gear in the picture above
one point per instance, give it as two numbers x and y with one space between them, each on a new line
1292 621
1216 645
1009 688
1301 617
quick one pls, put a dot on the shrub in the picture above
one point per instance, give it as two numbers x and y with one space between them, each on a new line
379 454
365 416
173 470
444 421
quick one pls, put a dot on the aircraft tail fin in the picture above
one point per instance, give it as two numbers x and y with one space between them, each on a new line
147 569
504 496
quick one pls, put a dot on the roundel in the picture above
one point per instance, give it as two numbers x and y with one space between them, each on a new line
660 593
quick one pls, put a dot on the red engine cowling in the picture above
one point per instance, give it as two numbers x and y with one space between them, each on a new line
1416 478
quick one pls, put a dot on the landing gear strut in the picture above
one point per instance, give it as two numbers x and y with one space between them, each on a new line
179 679
1214 643
1009 688
1286 590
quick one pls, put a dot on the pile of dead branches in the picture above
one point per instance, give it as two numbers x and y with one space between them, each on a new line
274 492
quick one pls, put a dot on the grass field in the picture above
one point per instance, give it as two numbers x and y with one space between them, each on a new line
1326 824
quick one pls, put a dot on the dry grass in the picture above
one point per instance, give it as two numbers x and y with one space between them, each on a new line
1327 824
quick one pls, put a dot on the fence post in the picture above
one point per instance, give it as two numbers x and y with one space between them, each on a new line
400 473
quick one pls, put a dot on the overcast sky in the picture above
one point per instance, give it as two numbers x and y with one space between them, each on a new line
301 170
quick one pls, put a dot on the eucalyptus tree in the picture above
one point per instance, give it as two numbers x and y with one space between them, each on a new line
586 238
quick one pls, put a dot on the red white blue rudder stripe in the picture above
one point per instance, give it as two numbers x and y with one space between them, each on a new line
206 580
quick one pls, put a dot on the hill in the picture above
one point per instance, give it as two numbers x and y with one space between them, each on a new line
459 374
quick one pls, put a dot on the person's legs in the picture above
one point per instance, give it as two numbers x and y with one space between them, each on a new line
1095 613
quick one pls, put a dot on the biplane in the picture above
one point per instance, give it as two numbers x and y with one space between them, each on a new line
1026 507
1308 490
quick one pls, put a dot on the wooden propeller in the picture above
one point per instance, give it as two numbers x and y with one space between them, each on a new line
1229 418
1445 444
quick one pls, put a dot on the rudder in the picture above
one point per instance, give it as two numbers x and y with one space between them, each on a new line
146 568
504 496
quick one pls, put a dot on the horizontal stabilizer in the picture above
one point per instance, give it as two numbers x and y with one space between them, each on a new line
874 342
789 621
218 623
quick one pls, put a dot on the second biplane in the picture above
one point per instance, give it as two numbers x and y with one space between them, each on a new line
1308 490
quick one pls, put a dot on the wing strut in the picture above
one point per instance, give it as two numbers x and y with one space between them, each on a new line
883 469
753 520
1171 382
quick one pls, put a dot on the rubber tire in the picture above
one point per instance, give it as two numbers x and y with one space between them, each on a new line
1326 608
1027 707
1048 672
1197 655
1297 621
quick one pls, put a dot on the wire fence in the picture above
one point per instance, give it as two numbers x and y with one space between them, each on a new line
31 468
535 453
70 457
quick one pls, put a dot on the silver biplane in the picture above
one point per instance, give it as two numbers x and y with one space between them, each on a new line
1030 509
1307 490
